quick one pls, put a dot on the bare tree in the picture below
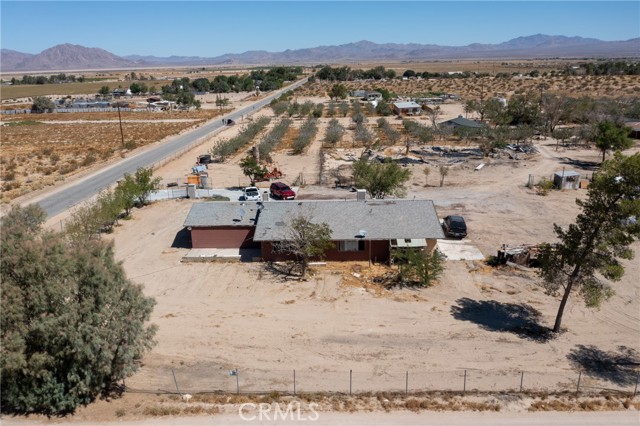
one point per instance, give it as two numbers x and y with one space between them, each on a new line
305 240
444 171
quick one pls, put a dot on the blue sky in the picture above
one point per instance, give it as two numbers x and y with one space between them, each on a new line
212 28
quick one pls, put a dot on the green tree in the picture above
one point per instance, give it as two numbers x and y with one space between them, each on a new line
126 193
496 112
380 179
418 267
304 241
612 136
251 168
599 238
334 132
338 91
72 324
383 108
145 184
104 91
42 104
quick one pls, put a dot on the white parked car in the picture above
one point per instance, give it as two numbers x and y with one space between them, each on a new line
251 193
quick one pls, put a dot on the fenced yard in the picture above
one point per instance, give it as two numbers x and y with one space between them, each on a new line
204 378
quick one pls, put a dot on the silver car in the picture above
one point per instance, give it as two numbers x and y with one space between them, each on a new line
251 193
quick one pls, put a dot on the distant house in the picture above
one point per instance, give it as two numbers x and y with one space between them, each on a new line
407 108
361 230
121 92
461 123
635 129
372 96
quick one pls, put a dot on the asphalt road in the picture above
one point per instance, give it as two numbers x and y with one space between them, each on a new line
68 196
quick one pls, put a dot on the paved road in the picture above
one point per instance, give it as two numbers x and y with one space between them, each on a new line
67 196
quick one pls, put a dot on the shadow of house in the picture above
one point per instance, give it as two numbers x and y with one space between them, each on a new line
519 319
182 239
619 367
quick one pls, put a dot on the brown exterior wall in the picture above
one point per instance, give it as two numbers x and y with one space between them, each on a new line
223 237
379 251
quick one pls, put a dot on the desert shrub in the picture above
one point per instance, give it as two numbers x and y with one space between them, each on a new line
308 131
228 147
544 185
391 134
334 132
363 135
272 139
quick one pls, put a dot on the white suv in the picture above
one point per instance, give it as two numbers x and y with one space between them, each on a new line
251 193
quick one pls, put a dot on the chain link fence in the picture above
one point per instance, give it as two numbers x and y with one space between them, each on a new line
208 379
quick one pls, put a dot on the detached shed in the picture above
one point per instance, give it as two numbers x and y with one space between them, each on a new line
407 108
566 179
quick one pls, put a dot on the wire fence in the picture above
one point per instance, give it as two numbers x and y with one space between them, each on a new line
208 379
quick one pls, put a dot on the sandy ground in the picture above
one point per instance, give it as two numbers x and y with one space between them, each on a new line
395 418
215 317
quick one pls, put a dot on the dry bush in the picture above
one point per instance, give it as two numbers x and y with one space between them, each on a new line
161 410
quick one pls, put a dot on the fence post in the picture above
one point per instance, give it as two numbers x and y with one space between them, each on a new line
464 386
521 380
406 384
175 381
635 391
237 381
350 380
579 377
294 382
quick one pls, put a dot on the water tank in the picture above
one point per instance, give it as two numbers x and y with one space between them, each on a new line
204 180
191 190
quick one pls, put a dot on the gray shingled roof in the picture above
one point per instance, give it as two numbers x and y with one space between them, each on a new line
381 219
463 122
220 213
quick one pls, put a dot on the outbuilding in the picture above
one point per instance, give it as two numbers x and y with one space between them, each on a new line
566 179
407 108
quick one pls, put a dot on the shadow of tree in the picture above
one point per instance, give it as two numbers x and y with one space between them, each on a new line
283 271
519 319
182 239
580 164
619 367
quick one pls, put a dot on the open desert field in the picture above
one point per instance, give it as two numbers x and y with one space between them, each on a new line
45 150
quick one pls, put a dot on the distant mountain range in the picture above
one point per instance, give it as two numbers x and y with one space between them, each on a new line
75 57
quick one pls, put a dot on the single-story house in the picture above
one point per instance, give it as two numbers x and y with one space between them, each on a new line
407 108
566 179
372 96
360 230
462 123
217 224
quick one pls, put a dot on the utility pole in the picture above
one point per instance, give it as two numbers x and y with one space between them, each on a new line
120 120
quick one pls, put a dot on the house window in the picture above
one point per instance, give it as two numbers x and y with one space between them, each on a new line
357 245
